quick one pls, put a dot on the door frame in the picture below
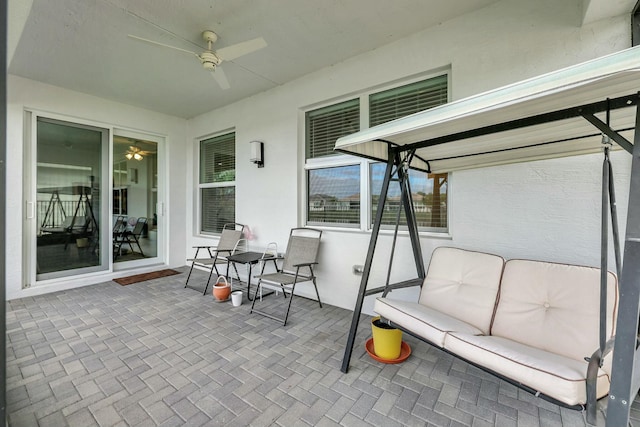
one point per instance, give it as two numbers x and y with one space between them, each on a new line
30 225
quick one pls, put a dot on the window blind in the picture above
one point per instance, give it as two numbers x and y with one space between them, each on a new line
218 159
408 99
325 125
218 208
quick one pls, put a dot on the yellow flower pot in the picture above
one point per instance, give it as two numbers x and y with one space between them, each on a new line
387 340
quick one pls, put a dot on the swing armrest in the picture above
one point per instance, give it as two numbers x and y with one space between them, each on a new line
595 362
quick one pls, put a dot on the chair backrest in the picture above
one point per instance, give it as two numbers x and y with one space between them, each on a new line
139 228
302 248
118 226
231 235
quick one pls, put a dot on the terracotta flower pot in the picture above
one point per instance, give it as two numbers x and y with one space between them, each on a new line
221 289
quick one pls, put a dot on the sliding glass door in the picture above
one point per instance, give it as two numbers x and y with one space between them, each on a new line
70 200
91 205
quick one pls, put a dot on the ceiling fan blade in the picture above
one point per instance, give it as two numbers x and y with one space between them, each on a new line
232 52
163 45
220 77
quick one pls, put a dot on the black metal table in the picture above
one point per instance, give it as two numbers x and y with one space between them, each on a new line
251 258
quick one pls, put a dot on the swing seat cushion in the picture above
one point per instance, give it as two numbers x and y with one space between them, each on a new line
561 377
429 324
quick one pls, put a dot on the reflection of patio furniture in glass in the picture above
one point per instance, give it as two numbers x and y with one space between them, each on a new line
81 224
297 266
119 227
228 244
129 237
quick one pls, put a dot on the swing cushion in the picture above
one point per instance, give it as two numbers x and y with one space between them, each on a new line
533 322
546 322
554 307
458 294
464 285
429 324
563 378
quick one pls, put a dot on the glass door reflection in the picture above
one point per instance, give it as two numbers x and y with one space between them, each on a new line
134 216
68 185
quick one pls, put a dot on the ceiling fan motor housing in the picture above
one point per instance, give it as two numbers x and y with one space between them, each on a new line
209 60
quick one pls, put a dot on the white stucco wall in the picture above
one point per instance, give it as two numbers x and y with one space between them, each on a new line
544 210
27 94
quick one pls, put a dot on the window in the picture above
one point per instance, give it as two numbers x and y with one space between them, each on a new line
429 193
334 196
404 100
217 185
335 193
327 124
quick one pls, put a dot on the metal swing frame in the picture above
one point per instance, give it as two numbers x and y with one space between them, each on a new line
625 381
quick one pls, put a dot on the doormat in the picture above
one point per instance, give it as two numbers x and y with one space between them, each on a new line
124 281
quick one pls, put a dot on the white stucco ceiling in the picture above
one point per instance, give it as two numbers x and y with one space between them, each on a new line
83 45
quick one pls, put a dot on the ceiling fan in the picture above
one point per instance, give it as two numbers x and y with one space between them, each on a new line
136 153
211 59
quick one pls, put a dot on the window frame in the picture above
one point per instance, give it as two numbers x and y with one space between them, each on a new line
339 159
219 184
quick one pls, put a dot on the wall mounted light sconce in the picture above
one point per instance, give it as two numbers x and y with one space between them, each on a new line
257 153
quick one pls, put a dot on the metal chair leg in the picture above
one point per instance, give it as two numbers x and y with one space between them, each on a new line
191 269
286 316
255 296
317 294
139 247
208 280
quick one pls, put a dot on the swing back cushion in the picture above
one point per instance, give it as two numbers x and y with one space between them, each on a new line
464 285
554 307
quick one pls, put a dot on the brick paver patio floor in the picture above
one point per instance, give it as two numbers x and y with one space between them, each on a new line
156 354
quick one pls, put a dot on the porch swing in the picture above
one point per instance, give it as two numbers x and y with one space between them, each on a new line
553 115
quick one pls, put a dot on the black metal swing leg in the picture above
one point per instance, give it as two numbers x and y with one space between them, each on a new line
401 166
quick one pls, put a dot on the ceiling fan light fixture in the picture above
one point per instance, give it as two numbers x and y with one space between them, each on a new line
137 156
129 156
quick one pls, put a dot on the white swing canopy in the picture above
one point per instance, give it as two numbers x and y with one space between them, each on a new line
535 119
